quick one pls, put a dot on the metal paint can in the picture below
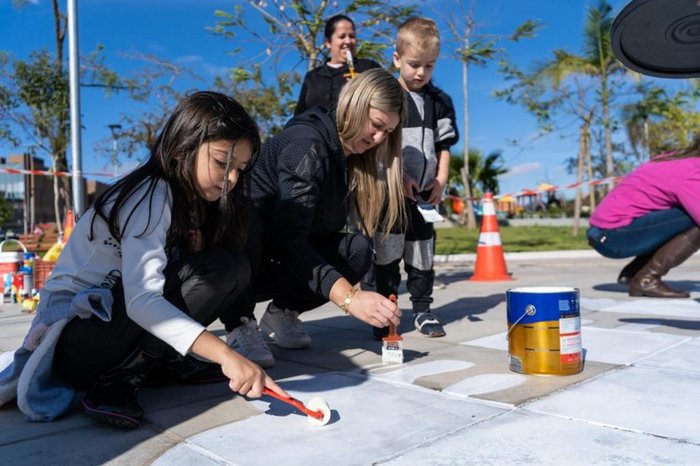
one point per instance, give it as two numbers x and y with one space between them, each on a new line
544 330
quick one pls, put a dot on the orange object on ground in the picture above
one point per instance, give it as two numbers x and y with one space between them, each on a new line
42 270
68 225
490 261
457 206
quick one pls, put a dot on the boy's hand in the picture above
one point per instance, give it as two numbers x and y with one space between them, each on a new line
410 187
436 189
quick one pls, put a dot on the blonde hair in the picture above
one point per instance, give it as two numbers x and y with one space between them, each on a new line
376 175
418 32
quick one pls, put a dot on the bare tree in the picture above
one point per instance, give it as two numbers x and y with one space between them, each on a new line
474 48
294 28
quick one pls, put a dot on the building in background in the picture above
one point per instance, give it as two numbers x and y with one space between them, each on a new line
31 196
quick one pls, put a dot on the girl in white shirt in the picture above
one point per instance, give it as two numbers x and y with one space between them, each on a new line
164 241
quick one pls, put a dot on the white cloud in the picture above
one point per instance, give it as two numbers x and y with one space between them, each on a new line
522 169
198 63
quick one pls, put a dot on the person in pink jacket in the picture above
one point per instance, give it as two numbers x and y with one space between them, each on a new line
652 214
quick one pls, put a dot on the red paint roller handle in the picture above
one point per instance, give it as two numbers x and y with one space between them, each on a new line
294 402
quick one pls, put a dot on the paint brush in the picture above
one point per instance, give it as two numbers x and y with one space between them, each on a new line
350 62
392 344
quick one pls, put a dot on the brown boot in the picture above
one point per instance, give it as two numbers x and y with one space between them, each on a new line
631 269
647 282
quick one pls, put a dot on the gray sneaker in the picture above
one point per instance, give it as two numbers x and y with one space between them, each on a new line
247 341
285 328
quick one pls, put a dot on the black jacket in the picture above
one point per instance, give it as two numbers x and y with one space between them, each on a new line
299 187
322 85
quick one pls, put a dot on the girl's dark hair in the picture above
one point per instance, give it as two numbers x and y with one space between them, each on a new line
199 118
331 23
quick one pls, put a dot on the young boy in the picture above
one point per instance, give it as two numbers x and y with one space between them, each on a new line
427 135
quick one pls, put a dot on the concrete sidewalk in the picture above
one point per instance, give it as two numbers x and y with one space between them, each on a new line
454 401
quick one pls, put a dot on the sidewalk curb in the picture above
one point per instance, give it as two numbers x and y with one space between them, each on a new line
515 256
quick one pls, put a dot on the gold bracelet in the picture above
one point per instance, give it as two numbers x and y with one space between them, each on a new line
348 299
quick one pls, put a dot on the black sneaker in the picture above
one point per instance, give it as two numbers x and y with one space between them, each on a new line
427 324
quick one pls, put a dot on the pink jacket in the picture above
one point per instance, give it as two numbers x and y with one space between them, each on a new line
652 186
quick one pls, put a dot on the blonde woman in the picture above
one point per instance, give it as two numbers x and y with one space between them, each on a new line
323 168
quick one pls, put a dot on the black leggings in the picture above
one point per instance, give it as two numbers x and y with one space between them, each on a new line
202 285
349 253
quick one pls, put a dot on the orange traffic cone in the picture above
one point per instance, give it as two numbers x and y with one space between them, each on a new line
490 262
68 225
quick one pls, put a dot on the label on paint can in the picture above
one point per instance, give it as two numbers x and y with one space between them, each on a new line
570 339
516 364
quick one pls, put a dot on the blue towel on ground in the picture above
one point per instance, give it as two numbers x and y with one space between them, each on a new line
41 394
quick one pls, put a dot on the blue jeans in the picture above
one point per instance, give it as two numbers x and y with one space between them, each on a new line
643 236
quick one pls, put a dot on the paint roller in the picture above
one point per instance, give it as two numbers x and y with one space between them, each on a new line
317 410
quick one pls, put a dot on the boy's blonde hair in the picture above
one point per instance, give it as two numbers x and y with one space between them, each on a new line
421 33
375 176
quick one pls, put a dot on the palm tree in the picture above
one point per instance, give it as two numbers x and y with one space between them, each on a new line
597 62
637 117
483 172
476 49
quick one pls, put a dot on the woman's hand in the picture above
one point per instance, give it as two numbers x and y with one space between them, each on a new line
374 309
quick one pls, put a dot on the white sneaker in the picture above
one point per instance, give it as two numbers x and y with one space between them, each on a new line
247 341
285 328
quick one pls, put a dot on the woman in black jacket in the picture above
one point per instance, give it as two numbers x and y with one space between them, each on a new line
323 168
322 85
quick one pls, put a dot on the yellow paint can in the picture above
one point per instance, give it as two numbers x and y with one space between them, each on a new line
544 330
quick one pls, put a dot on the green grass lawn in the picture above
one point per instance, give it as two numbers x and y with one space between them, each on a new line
459 240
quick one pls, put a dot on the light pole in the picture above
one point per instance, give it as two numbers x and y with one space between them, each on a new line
115 128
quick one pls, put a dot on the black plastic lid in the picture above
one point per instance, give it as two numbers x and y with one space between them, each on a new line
659 37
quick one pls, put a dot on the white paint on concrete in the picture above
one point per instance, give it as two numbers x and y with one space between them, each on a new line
683 357
638 327
641 399
646 307
611 346
485 383
615 346
518 438
371 419
6 358
408 374
596 304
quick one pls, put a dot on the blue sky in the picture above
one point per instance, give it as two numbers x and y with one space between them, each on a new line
175 30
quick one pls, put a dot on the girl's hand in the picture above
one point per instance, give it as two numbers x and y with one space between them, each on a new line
374 309
247 378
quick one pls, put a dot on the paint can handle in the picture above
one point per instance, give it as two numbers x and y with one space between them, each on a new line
530 310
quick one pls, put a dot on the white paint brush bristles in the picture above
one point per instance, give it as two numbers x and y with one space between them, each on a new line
392 347
392 344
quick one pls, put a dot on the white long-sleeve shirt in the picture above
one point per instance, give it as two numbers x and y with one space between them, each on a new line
139 259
